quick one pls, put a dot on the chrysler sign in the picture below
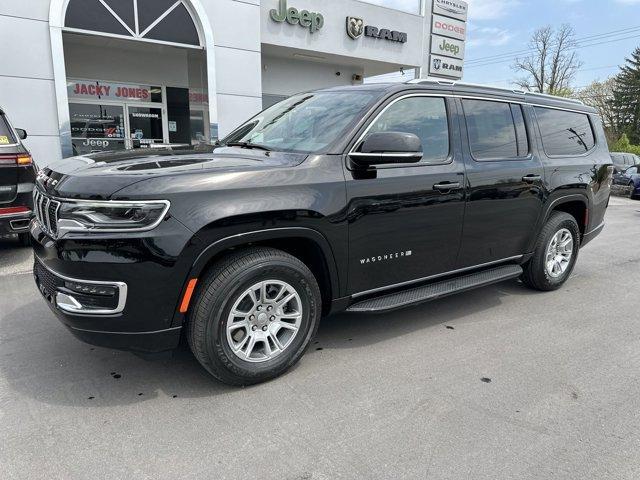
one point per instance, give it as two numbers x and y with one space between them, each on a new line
451 8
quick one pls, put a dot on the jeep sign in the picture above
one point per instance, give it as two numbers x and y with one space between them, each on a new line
311 20
448 27
447 47
451 8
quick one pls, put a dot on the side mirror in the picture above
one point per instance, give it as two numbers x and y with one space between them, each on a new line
388 147
22 133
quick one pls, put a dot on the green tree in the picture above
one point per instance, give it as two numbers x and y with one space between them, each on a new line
624 145
626 98
599 95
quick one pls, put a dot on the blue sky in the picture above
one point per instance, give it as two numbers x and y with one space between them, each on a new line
503 26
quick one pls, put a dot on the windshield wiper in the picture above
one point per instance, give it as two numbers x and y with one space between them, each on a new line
247 145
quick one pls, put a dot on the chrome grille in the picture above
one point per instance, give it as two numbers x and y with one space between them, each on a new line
46 210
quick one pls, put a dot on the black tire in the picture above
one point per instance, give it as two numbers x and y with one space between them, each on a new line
535 272
24 239
221 286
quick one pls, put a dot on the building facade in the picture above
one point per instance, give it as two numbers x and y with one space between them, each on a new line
91 75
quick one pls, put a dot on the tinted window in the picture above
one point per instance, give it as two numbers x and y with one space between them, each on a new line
305 123
564 133
521 130
177 27
6 135
492 131
632 171
425 117
91 15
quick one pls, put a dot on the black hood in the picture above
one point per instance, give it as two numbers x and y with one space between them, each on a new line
100 175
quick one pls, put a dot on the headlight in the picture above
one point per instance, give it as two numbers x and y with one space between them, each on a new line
107 216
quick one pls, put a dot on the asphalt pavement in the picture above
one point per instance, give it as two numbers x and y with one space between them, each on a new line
498 383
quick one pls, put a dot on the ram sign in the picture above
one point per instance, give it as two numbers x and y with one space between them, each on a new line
445 67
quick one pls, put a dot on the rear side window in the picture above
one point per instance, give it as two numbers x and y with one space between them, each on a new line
6 135
564 133
425 117
496 129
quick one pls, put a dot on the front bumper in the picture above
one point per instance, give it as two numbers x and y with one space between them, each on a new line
116 292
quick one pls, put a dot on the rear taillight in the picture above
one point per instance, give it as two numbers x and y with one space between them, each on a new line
19 159
14 210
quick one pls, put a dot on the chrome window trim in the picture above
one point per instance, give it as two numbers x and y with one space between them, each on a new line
468 97
121 286
433 277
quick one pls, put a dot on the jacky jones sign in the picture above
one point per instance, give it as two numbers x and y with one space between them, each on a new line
108 91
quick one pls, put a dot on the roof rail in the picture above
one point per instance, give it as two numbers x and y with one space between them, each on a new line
426 81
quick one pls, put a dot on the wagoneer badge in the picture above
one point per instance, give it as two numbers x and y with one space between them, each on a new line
386 257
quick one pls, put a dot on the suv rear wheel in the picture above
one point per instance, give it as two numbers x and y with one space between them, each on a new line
555 253
254 316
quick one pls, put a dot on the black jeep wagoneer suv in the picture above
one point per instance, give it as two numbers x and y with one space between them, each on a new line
362 199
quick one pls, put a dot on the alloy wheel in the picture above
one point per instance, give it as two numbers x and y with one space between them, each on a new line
559 253
264 320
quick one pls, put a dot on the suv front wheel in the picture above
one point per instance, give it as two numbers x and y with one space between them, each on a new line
254 316
555 253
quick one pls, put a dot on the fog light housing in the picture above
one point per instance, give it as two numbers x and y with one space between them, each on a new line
91 289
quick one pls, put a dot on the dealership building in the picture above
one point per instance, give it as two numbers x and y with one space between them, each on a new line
91 75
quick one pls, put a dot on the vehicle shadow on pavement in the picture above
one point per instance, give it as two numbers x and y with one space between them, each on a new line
42 361
347 330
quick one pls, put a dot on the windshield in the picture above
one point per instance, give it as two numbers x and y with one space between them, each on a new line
305 123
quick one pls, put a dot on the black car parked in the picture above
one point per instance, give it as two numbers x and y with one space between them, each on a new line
17 176
364 199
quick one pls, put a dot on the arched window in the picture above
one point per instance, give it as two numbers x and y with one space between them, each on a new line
160 20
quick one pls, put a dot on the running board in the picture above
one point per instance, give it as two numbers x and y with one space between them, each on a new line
436 290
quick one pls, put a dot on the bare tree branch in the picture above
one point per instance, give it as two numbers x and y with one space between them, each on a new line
553 64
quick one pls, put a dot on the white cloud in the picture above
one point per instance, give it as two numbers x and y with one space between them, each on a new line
488 37
492 9
412 6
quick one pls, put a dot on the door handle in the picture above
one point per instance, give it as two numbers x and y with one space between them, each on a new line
446 186
531 178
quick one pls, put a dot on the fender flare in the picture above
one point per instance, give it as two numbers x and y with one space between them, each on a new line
564 199
239 239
